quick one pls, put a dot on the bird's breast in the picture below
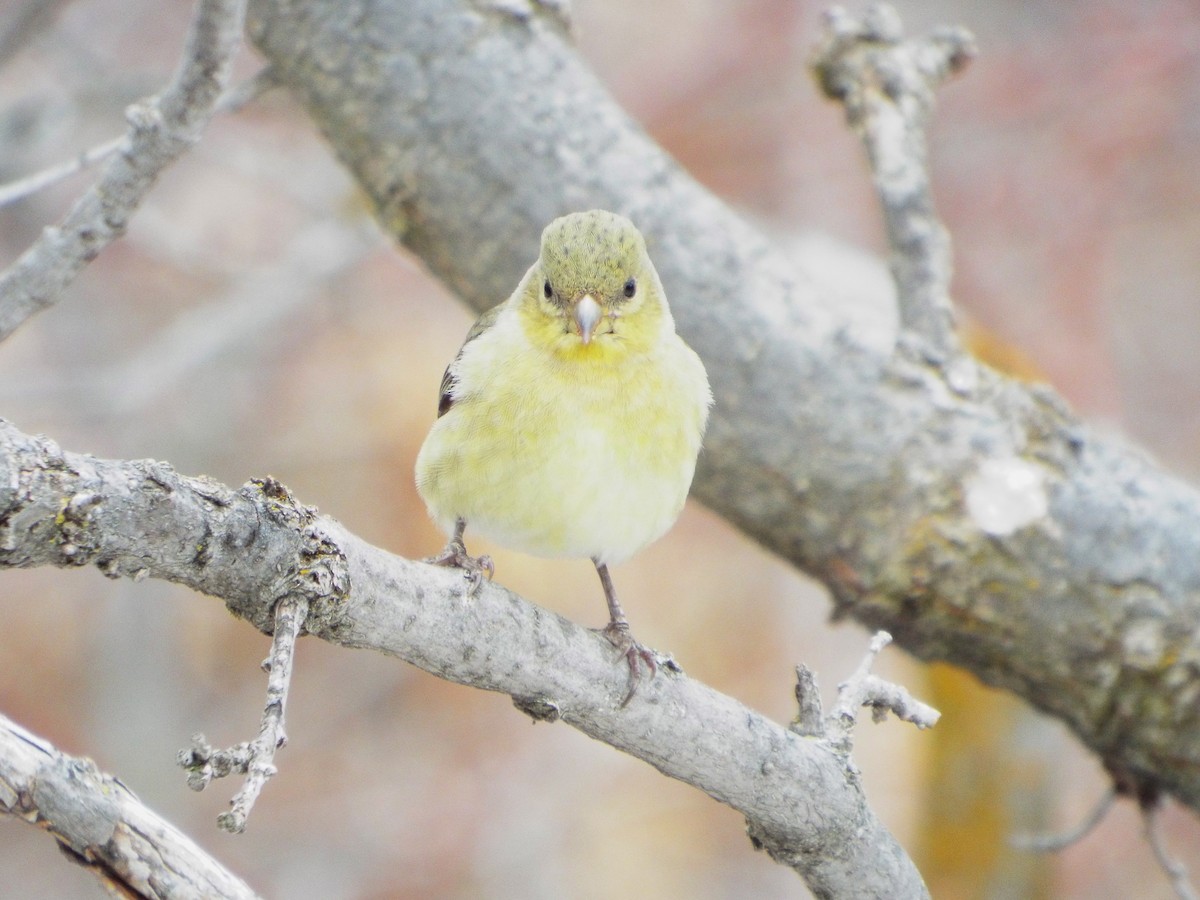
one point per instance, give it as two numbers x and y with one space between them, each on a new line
573 457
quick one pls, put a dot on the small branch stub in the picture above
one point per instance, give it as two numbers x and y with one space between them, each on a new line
810 718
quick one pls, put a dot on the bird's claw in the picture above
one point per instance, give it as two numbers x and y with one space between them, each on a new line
635 654
455 556
483 566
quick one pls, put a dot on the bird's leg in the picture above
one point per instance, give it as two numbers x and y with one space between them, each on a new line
455 555
617 632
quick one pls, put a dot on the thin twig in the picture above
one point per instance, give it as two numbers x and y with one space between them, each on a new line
289 621
886 85
255 759
246 92
249 313
864 689
1175 870
1151 823
51 175
233 100
161 129
859 690
1053 843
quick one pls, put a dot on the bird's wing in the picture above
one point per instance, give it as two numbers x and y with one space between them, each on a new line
482 324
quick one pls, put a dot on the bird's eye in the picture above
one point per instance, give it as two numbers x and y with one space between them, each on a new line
547 290
630 287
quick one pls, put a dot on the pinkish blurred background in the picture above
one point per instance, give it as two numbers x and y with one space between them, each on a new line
255 321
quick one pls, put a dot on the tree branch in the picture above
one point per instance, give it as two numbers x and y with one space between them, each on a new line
974 518
886 85
1173 868
231 101
864 689
859 690
161 129
101 825
251 547
255 759
1053 843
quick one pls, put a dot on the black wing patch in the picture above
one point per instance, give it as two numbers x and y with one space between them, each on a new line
445 398
446 391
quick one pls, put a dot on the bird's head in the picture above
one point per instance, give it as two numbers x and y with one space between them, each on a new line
593 290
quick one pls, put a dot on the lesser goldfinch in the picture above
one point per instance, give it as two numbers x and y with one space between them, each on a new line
570 421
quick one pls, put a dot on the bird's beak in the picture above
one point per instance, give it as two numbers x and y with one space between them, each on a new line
587 316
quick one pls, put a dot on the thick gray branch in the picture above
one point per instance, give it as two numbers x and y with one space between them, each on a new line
801 798
161 128
975 519
103 826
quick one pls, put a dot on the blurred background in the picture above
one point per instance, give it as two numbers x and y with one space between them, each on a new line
255 321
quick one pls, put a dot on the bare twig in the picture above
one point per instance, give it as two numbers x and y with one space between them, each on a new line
1174 869
161 129
247 316
887 87
864 689
233 100
859 690
1151 808
31 184
255 759
1053 843
242 94
103 826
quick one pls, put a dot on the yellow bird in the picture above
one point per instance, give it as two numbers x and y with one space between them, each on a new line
570 421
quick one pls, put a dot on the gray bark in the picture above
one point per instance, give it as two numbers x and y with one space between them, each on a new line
879 471
255 546
161 129
101 825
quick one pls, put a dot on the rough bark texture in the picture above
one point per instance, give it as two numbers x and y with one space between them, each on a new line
251 547
141 518
874 468
102 826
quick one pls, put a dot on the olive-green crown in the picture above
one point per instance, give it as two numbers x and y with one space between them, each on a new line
591 252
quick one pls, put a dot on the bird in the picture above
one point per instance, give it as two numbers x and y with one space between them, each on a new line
570 422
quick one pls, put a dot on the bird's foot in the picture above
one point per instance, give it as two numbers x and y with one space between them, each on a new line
638 656
455 556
